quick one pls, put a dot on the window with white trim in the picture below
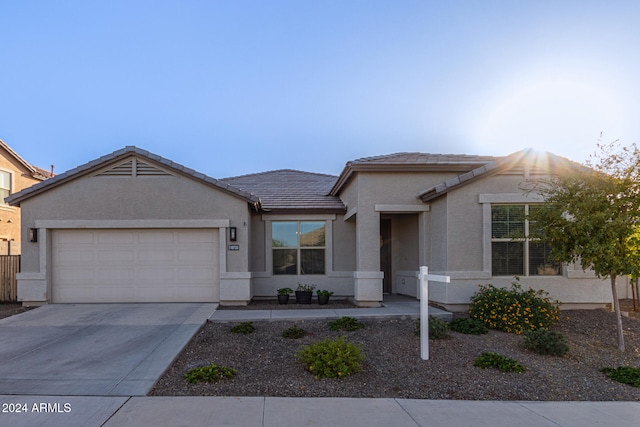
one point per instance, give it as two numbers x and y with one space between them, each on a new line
5 186
513 252
298 247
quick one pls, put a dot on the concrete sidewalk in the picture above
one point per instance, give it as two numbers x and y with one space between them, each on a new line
284 411
391 309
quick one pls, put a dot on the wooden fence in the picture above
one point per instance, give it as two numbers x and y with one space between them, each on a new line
9 266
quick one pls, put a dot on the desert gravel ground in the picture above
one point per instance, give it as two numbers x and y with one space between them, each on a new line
267 365
8 309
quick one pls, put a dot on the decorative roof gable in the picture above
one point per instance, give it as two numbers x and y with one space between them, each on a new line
125 162
134 167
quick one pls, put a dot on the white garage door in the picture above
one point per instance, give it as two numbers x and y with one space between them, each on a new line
148 265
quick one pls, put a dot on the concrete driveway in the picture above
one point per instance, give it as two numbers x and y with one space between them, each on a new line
94 349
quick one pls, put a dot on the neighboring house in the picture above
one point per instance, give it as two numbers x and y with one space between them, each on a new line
133 226
15 175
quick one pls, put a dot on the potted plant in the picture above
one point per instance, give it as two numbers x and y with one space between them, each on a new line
283 295
304 293
323 296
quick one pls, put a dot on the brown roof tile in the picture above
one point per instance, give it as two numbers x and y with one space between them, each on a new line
290 190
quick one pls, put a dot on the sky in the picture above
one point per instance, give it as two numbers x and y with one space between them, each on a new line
235 87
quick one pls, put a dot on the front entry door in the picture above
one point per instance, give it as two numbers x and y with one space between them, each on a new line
385 254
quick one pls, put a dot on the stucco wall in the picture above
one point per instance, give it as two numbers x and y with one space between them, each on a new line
129 198
468 250
340 258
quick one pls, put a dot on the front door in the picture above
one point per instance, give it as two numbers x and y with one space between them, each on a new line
385 254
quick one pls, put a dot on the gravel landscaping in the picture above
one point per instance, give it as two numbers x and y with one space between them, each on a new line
8 309
266 362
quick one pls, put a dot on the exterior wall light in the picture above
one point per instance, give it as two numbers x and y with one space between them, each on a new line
233 234
33 234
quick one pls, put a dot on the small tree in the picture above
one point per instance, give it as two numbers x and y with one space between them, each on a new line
591 216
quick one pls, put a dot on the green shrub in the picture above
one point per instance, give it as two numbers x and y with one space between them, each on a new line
345 323
438 328
624 375
468 326
211 374
294 332
243 328
543 341
498 361
331 358
513 310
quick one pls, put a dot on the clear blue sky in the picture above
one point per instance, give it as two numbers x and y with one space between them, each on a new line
234 87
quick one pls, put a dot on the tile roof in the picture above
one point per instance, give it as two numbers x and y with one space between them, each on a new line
422 159
36 172
290 190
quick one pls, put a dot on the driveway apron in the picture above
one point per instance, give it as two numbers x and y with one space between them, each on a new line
94 349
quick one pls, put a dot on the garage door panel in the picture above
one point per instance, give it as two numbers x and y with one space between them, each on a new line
76 255
135 265
109 275
114 238
156 256
76 237
114 256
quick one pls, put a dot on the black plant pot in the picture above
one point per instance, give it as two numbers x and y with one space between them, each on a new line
304 297
283 299
323 299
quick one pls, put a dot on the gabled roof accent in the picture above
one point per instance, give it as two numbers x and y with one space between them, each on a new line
35 172
290 190
500 165
134 167
118 157
410 162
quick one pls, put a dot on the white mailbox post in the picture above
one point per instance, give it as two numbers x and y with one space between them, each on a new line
424 308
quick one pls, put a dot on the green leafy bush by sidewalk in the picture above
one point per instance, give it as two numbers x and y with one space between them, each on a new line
544 342
514 310
294 332
211 374
346 323
243 328
498 361
624 375
332 358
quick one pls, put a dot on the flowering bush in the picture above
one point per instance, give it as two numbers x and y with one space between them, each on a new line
514 310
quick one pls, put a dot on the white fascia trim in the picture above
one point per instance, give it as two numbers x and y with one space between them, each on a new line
401 208
510 198
133 223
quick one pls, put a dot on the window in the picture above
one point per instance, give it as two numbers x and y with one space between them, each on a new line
298 247
512 251
5 186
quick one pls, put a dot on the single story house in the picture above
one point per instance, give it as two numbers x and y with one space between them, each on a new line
132 226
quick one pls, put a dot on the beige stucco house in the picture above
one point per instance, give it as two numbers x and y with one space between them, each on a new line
135 227
15 175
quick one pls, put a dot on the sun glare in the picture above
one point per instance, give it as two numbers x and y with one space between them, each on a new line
560 116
